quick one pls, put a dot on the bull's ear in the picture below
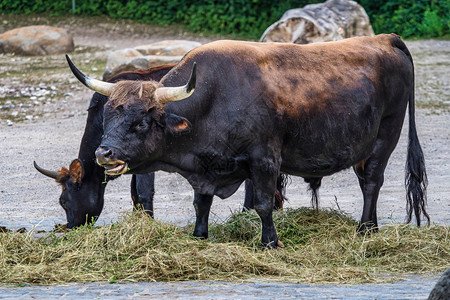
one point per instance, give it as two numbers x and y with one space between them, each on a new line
176 124
76 171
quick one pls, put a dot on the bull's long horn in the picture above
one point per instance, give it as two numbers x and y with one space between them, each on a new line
170 94
98 86
52 174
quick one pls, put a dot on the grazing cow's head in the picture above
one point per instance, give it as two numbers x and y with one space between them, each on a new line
82 202
135 121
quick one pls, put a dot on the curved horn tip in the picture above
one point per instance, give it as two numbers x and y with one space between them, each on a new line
98 86
171 94
51 174
78 74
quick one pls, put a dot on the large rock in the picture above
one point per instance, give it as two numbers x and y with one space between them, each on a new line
441 290
330 21
147 56
36 40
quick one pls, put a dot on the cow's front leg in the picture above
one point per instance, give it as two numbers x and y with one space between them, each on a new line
202 205
142 192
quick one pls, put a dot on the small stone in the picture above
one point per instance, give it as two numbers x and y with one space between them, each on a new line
9 123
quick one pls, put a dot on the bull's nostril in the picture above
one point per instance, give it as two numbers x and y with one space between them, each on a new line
103 154
108 153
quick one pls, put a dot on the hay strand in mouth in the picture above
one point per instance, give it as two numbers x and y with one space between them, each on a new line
320 247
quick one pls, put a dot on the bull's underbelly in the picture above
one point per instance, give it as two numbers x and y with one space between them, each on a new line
307 158
310 168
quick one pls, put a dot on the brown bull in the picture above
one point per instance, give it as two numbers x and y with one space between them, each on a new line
260 109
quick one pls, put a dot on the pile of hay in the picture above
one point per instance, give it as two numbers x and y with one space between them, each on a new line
320 247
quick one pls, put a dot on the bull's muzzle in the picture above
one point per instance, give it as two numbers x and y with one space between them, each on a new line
103 155
113 166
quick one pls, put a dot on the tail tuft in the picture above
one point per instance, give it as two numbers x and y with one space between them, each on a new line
416 176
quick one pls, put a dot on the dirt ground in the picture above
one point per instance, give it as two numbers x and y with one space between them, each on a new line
43 114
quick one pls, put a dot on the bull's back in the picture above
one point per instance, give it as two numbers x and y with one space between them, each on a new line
293 78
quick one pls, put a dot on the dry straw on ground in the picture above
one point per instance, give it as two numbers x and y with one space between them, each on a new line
320 247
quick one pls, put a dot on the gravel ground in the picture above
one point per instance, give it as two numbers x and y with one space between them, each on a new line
49 131
413 287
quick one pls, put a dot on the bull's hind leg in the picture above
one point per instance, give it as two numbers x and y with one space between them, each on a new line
202 205
371 172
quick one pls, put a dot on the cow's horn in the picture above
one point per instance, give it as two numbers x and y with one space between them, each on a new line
52 174
170 94
98 86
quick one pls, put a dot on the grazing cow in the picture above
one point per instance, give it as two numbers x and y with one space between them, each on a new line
84 182
253 110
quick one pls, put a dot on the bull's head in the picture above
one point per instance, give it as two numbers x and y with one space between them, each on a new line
135 121
80 197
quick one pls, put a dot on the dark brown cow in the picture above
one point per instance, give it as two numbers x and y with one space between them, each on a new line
84 182
259 109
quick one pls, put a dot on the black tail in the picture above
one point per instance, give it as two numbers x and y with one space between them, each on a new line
314 185
416 176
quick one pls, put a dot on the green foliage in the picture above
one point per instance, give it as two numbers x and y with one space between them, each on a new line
409 18
247 18
237 17
432 24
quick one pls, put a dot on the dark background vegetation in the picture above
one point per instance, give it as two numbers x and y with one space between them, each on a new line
247 18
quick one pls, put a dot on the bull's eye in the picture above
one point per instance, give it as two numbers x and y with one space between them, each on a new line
141 126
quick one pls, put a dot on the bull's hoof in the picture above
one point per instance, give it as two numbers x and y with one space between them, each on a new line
200 235
367 228
272 245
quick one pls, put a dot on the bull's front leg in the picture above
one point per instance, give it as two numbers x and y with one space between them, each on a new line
202 205
248 200
264 178
264 207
